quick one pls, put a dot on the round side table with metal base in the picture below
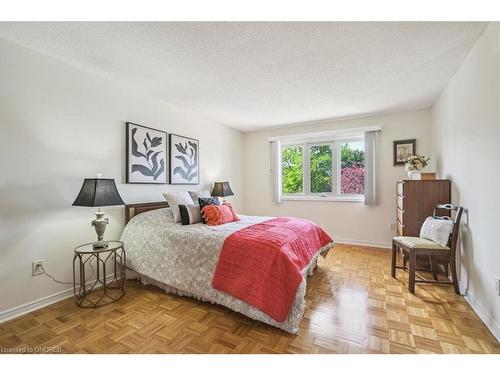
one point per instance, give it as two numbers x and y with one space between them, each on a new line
108 285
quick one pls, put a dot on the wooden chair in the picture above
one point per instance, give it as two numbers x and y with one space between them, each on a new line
415 246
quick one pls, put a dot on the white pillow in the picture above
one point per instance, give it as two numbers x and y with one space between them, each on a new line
199 194
174 199
437 230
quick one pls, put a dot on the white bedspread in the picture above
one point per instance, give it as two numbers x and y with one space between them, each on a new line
182 259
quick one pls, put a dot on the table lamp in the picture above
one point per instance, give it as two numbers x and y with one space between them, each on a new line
99 192
222 189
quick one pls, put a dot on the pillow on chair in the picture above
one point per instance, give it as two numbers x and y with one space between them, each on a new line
437 230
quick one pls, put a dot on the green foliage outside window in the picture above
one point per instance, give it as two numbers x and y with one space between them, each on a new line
351 157
291 164
321 169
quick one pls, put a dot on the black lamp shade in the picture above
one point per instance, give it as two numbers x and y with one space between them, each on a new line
98 192
222 189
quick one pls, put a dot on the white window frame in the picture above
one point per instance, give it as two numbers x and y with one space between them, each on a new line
335 194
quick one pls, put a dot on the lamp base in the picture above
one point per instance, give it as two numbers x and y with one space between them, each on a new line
99 225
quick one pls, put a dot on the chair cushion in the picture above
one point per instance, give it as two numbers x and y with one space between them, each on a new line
419 243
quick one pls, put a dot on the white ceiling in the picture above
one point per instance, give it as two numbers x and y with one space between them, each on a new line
259 74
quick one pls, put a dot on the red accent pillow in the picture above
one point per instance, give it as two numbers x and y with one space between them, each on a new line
235 217
217 215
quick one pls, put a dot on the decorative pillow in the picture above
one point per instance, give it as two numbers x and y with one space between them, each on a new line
217 215
235 217
174 199
437 230
190 214
205 202
199 194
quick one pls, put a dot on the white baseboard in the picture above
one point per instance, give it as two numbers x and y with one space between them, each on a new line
383 245
34 305
487 319
17 311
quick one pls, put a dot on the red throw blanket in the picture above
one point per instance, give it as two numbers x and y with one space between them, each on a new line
262 264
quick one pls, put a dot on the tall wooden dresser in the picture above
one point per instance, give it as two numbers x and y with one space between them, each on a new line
416 200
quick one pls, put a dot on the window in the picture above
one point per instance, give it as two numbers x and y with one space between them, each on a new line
323 169
352 172
329 165
292 169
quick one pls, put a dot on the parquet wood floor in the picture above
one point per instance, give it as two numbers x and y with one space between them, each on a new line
353 306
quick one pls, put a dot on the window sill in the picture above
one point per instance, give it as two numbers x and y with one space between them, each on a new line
322 199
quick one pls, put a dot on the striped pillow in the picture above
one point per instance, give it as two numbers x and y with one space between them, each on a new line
190 214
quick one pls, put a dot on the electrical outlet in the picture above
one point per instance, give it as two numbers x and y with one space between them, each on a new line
37 267
392 226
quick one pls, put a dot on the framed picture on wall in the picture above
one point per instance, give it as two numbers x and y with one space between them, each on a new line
146 155
402 149
184 160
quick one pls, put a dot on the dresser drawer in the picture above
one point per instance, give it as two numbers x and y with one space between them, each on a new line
399 200
399 188
399 213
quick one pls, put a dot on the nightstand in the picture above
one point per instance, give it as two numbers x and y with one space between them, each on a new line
108 265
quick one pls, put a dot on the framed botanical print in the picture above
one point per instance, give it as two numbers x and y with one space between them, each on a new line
184 160
146 155
402 149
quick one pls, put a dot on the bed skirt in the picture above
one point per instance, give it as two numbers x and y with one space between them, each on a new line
290 325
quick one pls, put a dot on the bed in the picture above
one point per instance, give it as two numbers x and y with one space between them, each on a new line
182 259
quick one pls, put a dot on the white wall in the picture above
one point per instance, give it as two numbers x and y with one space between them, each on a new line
465 129
59 124
345 221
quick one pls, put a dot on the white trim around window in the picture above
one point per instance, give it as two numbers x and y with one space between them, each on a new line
326 198
324 135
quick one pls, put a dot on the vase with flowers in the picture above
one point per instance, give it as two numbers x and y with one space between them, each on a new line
414 164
